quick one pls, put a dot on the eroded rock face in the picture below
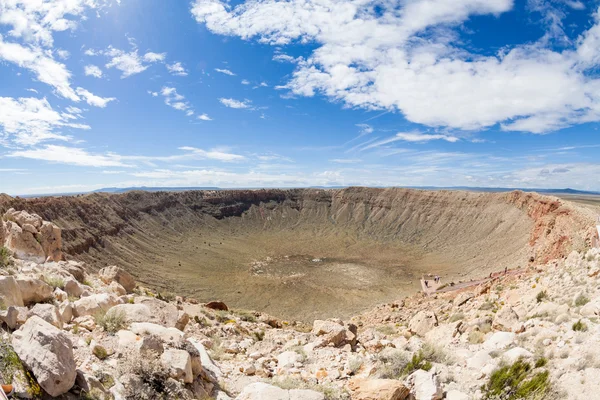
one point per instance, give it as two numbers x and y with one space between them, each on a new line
48 353
425 385
30 238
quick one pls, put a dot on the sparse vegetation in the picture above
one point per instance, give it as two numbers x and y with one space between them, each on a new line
476 337
10 363
329 391
354 364
150 377
100 352
393 364
581 300
258 335
541 362
112 321
245 315
457 317
516 381
386 330
580 326
541 296
54 281
417 361
4 257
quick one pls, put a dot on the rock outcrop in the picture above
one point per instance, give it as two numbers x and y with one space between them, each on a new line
28 237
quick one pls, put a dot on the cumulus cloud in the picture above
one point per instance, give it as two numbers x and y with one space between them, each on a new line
35 21
232 103
204 117
245 82
404 56
225 71
29 121
154 57
176 69
92 70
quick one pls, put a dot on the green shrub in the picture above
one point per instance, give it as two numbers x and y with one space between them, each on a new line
54 281
112 321
4 257
258 335
245 315
580 326
417 362
516 381
10 363
100 352
541 362
476 337
457 317
541 296
581 300
393 364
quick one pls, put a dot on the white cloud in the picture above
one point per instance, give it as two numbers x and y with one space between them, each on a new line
154 57
63 54
365 129
94 100
175 100
215 154
29 121
153 94
130 63
423 137
176 69
32 90
92 70
232 103
225 71
35 21
405 56
70 155
245 82
204 117
46 69
346 160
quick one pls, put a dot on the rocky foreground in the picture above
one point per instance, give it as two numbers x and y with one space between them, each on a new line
70 333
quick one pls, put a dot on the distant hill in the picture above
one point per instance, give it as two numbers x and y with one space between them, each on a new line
567 191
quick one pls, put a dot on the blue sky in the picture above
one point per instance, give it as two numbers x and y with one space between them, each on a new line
104 93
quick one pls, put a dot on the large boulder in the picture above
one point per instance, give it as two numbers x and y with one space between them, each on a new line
168 335
378 389
49 313
93 304
10 292
425 385
179 364
506 320
34 290
48 353
132 312
119 275
330 331
423 322
264 391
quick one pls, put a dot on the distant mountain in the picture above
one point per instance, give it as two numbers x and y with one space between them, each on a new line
499 189
468 188
154 189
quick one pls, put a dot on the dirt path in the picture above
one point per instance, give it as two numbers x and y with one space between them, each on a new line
444 288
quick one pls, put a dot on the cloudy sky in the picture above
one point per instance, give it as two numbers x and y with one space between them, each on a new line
265 93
